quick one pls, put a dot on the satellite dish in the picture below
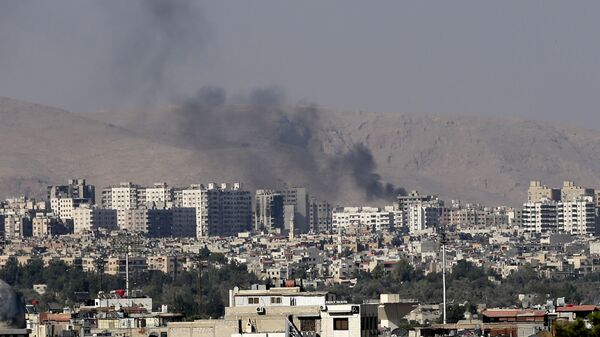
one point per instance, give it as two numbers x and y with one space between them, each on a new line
399 332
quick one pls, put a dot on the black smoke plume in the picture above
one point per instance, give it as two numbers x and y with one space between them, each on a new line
360 164
211 121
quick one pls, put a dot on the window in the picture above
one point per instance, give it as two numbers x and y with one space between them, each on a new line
307 324
252 300
275 300
340 324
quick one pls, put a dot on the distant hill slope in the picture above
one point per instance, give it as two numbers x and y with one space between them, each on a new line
474 159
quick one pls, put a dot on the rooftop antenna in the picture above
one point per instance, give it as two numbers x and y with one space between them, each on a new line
443 241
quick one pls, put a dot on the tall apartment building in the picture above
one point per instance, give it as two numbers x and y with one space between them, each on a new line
159 195
373 217
297 197
63 207
221 209
74 189
15 226
159 223
126 195
418 212
540 216
184 222
571 209
133 220
196 196
65 198
321 216
88 219
45 225
577 216
268 211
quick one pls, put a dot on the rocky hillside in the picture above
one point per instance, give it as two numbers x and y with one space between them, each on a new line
484 159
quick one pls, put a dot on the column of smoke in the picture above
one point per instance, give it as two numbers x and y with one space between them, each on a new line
11 310
361 165
208 121
174 31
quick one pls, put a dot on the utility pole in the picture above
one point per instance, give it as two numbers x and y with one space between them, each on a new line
127 272
443 242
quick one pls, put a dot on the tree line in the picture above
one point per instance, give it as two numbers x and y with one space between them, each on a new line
468 286
197 294
203 293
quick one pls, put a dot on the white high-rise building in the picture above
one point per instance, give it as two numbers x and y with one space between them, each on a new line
574 212
221 209
540 216
418 212
63 207
195 196
577 217
362 216
159 194
124 196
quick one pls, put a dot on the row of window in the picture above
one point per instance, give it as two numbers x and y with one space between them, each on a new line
255 300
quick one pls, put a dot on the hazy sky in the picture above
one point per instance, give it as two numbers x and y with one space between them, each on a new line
538 59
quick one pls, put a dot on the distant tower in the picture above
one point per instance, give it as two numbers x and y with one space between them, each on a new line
291 234
443 241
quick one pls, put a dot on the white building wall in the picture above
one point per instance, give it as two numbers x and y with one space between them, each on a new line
196 197
371 216
124 197
82 220
62 207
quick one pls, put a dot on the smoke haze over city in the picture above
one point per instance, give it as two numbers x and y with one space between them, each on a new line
535 59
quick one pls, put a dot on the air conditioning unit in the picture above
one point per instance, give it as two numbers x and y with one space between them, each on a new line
323 308
260 310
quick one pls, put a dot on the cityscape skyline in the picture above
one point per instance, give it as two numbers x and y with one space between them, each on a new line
266 168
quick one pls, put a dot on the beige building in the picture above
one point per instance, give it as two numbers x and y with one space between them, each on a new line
168 264
538 192
133 220
86 219
116 265
280 312
42 225
571 192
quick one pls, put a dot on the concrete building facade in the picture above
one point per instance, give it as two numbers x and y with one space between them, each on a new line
268 211
221 209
